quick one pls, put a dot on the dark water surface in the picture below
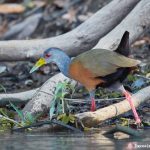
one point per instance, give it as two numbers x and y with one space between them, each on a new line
69 141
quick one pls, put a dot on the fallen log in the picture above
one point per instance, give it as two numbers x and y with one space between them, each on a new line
41 101
83 38
91 119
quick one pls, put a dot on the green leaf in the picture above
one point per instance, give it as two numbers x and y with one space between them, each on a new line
66 118
146 124
59 108
115 94
52 109
131 78
29 118
2 88
71 118
19 112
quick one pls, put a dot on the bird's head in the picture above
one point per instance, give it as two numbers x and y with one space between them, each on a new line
49 55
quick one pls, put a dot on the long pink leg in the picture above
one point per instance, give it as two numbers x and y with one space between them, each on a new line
128 97
93 104
92 97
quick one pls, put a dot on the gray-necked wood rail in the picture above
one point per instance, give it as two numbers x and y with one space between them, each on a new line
97 67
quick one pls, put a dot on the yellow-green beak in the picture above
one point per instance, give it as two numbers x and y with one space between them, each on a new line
38 64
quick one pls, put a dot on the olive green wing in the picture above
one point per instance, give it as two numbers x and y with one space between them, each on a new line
102 62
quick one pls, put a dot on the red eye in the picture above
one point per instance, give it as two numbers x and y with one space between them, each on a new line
47 55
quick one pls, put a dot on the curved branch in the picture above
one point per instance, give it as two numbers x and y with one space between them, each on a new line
136 22
84 37
94 118
17 98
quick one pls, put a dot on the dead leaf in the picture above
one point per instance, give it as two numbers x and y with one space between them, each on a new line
141 42
85 17
40 3
11 8
121 135
148 75
3 28
31 4
70 16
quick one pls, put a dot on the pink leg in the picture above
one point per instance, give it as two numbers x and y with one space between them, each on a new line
93 105
128 97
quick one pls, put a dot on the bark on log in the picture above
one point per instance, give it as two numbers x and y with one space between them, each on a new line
135 22
83 38
40 102
91 119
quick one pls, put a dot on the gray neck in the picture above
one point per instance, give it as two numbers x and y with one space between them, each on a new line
63 61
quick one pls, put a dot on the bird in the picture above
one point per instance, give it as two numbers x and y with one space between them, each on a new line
95 68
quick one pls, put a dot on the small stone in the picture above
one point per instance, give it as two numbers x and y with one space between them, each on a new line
46 69
121 135
2 69
28 82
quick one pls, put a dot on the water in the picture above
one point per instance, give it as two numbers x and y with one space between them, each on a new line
68 141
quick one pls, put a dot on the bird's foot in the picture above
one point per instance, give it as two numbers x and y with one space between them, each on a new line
128 97
93 104
138 122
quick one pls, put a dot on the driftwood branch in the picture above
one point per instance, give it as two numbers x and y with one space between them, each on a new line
83 38
41 101
136 22
94 118
17 98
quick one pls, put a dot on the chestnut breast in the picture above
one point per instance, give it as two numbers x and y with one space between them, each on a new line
81 74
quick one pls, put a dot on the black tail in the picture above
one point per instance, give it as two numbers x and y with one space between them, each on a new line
123 47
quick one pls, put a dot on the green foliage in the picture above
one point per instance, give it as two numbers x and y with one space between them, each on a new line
19 112
104 94
131 78
27 120
59 105
52 109
66 118
5 124
2 88
124 121
6 119
146 123
115 94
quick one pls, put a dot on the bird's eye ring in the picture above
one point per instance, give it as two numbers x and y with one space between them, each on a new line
47 55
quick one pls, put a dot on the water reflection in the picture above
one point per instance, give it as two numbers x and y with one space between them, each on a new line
65 141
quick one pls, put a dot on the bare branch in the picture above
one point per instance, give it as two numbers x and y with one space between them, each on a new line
136 22
83 38
17 98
